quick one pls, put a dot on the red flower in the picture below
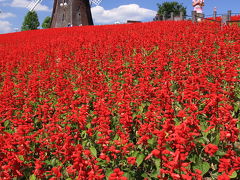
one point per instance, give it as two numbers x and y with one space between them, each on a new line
130 88
131 160
117 175
181 113
56 171
223 177
156 152
211 149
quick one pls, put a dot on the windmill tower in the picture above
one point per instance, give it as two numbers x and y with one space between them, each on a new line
69 12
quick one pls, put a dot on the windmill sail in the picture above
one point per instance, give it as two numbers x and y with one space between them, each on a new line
96 2
32 5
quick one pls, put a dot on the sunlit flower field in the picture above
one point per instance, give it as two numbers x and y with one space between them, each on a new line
158 100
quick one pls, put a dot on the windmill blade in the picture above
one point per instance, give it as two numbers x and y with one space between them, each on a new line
32 5
96 2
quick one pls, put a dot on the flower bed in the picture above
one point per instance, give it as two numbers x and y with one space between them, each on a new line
153 100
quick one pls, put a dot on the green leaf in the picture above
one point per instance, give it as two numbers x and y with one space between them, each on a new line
151 141
21 157
236 107
84 143
154 174
144 175
135 154
109 172
10 131
116 137
32 177
234 175
177 121
47 162
202 166
220 153
194 158
168 146
88 125
134 115
6 123
140 159
84 134
93 151
157 163
203 126
216 139
203 140
55 162
127 175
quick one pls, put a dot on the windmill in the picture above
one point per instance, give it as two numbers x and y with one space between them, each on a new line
69 12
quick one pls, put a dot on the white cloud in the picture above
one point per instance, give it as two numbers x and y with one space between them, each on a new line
5 27
3 3
121 14
4 15
27 3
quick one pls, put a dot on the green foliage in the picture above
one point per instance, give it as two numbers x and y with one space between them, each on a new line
140 158
202 166
32 177
168 7
234 175
46 23
93 151
30 22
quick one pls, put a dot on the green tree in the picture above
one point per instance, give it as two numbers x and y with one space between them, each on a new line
30 21
168 7
46 23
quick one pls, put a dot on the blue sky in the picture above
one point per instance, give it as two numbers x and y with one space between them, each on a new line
108 12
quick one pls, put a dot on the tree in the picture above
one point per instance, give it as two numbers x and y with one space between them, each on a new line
46 23
168 7
30 21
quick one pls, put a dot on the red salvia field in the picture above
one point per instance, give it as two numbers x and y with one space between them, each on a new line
158 100
233 19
